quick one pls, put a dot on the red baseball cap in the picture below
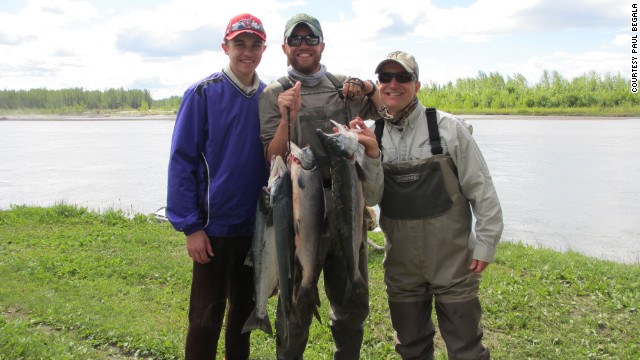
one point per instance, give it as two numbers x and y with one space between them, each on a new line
245 23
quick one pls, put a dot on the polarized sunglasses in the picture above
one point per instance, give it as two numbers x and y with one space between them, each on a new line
402 77
296 40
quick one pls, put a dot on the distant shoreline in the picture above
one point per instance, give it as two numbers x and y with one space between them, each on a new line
545 117
88 117
136 117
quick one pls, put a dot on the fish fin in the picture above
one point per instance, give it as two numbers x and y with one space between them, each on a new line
308 300
360 172
269 222
254 322
276 291
316 304
248 261
301 183
351 284
347 292
317 314
303 297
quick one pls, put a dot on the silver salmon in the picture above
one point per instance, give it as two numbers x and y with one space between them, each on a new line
281 203
348 200
263 254
308 224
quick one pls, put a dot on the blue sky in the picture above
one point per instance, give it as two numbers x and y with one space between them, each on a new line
165 45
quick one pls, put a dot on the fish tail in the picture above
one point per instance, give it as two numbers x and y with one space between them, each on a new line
248 261
308 300
351 283
255 322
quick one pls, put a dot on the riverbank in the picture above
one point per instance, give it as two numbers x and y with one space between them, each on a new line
88 117
79 284
140 116
546 117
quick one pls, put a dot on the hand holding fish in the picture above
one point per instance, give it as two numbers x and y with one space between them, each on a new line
366 137
199 247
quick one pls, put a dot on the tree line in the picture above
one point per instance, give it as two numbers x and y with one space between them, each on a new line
79 100
493 93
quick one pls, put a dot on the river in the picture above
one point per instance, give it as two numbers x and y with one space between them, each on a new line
564 183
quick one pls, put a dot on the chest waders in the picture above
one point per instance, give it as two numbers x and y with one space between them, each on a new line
427 224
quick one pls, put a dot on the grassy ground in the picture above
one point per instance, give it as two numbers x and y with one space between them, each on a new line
82 285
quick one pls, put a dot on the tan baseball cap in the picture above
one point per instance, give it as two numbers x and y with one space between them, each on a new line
406 60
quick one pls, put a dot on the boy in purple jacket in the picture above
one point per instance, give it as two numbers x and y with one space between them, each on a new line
216 171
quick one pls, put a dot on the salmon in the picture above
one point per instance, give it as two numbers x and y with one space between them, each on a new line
348 200
308 224
262 256
281 203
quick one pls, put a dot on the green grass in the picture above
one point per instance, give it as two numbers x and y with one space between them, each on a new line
76 284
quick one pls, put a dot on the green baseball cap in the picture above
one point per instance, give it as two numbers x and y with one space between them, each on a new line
308 20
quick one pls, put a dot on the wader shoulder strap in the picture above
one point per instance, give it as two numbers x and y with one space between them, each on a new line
338 85
432 123
378 131
334 80
434 134
286 83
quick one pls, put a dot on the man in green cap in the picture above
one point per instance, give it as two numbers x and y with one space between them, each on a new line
296 105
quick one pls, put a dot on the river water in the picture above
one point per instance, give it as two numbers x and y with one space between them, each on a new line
565 184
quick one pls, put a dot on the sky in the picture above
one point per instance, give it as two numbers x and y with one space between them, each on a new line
166 45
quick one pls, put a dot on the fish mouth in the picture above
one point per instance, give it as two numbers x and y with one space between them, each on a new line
302 156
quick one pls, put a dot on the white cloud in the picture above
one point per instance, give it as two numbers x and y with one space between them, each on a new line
622 40
172 43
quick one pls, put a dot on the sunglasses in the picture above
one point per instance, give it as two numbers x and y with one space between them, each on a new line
401 77
296 40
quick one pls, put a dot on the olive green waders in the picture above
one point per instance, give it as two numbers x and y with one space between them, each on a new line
427 225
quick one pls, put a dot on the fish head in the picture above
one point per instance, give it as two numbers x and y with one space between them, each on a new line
303 156
342 143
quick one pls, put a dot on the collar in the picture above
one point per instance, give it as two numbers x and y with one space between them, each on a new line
248 90
307 80
400 118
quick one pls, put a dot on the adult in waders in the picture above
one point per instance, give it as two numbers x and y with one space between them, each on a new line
434 178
